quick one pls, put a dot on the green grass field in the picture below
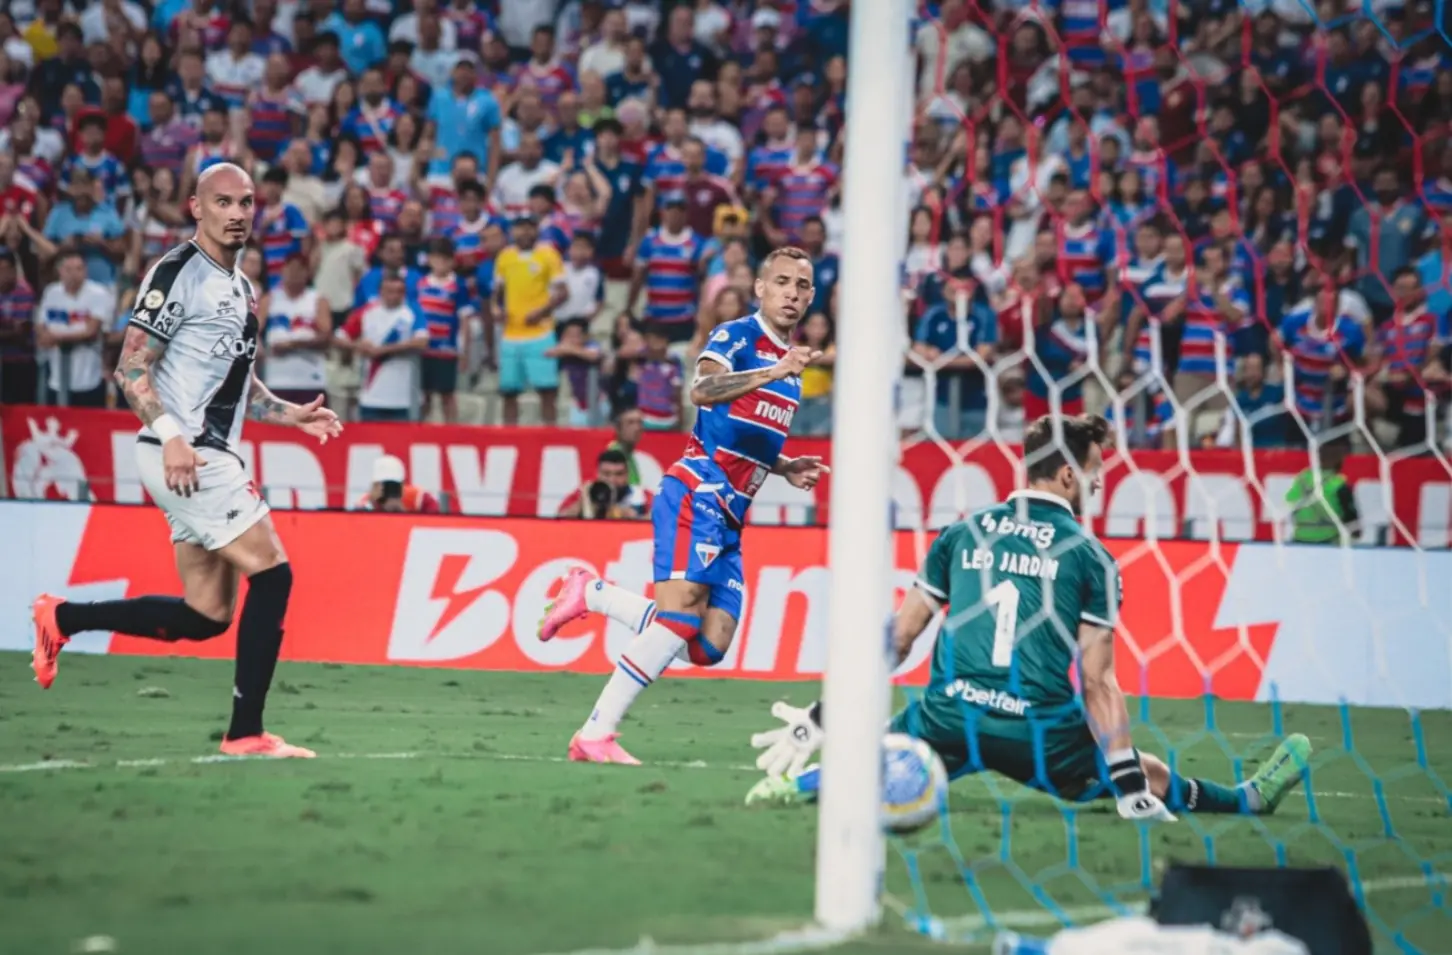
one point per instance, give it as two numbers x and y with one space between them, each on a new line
444 818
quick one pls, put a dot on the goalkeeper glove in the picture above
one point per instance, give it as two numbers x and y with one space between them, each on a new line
1133 796
787 748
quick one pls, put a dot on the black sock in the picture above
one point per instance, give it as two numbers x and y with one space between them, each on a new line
259 641
159 618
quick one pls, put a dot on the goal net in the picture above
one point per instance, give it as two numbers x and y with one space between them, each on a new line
1226 230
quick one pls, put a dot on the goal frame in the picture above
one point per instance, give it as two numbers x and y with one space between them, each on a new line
851 851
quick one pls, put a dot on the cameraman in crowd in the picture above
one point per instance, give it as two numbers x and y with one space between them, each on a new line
392 494
610 496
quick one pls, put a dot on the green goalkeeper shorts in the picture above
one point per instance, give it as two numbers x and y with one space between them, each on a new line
1060 759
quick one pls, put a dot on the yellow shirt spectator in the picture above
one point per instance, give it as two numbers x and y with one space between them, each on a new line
41 39
527 278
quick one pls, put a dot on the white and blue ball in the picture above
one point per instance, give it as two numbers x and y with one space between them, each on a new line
914 784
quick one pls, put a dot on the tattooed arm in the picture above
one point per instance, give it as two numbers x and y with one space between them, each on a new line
263 405
140 349
715 385
312 418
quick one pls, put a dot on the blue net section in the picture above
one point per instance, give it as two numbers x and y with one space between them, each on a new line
1227 229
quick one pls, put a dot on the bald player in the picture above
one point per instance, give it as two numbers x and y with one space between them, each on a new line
186 370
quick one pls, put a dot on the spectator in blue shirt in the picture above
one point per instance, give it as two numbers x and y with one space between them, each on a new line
636 81
391 258
825 266
69 67
360 41
82 223
942 342
1264 407
569 137
627 186
467 119
679 60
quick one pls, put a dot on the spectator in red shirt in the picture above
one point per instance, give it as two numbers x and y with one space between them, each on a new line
704 192
122 135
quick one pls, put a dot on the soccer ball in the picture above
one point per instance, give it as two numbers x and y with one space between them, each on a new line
914 784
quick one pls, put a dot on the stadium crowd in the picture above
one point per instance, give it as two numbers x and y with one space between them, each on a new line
1191 207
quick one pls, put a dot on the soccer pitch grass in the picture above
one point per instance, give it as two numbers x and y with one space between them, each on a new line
444 819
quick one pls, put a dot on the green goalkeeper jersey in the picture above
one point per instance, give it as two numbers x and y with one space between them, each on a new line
1017 579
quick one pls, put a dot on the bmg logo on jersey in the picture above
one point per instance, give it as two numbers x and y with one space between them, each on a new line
232 348
1040 533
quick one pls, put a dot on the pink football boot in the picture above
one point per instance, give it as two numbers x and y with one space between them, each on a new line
569 603
607 750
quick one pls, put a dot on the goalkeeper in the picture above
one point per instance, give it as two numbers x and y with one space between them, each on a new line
1029 593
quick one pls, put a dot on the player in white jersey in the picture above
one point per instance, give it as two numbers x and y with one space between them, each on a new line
297 328
186 370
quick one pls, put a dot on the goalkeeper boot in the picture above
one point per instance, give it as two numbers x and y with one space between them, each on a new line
569 603
1280 774
780 790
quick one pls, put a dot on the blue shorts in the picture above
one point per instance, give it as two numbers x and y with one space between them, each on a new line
524 365
694 541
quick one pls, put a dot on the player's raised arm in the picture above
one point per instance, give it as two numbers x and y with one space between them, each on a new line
715 384
784 288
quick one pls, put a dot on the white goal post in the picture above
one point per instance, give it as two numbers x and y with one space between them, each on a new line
855 692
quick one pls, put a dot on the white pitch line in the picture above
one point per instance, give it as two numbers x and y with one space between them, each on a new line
156 761
1039 918
808 939
812 939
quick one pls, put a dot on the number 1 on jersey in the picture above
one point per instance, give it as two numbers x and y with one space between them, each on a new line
1004 597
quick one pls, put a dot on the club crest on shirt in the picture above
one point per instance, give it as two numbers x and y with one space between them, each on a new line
707 553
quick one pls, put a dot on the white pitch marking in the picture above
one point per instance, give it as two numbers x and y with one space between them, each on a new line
214 758
1037 918
807 939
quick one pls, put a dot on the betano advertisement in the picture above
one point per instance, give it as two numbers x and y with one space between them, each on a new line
526 472
1370 626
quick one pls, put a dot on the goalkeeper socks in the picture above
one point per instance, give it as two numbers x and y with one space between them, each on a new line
1203 796
639 666
259 641
620 605
158 618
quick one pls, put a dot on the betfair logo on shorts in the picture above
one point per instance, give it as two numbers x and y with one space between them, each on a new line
229 348
992 699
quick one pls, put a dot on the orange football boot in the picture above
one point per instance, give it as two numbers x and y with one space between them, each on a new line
266 744
48 639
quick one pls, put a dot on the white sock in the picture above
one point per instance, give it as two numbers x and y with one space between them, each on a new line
622 606
639 666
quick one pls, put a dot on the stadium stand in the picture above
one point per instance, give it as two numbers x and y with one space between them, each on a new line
1224 226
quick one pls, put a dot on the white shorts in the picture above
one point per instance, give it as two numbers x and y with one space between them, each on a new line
224 505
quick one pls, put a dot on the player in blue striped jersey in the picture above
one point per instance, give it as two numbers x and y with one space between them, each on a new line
748 384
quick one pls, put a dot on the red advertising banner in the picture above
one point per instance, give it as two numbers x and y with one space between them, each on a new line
468 592
1244 621
53 453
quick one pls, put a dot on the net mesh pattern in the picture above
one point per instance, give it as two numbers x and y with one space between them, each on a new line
1226 230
